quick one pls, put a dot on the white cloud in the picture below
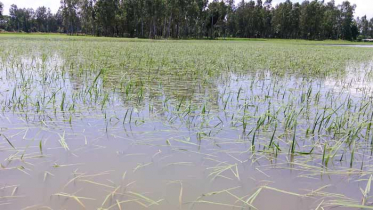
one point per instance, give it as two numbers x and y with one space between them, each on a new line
364 7
52 4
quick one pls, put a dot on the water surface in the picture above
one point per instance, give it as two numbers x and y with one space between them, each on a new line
182 125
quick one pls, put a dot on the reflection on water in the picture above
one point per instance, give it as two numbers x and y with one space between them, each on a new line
357 81
74 136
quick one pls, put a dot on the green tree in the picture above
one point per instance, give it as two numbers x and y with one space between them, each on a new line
363 25
283 19
370 28
70 15
330 21
347 20
217 12
21 19
106 11
1 9
87 16
311 19
41 19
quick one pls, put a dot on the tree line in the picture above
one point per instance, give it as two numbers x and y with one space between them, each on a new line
311 19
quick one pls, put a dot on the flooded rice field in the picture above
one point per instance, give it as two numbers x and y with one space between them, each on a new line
99 123
352 45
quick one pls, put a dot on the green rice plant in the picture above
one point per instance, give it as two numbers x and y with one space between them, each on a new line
247 112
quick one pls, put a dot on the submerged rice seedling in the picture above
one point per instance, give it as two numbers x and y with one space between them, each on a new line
270 117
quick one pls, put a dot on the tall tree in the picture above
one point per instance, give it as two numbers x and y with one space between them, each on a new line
363 25
347 19
41 19
1 9
330 21
370 28
311 19
70 15
88 16
283 19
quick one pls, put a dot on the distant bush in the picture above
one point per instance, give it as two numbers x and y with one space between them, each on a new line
360 38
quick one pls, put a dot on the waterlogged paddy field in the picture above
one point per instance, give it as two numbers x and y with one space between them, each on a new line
99 123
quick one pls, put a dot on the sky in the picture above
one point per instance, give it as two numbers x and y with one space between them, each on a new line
52 4
364 7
